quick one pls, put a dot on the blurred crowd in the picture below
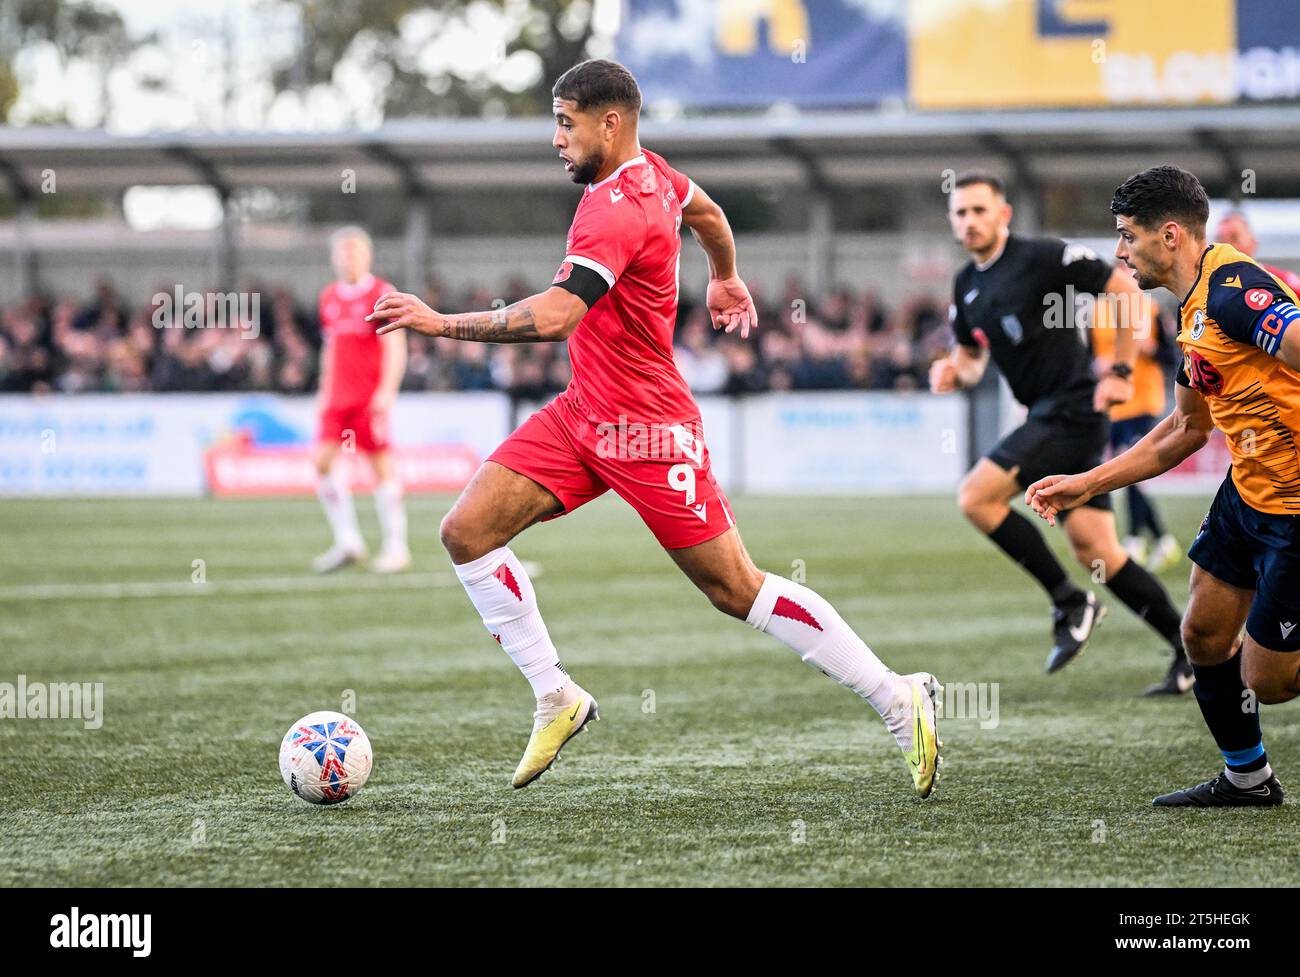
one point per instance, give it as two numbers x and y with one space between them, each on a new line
845 339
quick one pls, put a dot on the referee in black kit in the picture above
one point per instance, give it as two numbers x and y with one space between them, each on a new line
1014 301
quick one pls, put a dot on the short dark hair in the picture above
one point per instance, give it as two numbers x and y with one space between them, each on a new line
975 178
1163 193
598 83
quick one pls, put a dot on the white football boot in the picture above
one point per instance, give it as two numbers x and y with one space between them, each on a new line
337 557
391 559
1136 548
1166 554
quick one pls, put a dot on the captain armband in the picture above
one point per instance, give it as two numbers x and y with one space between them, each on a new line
1272 325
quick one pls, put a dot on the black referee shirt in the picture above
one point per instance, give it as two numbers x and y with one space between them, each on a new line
1021 309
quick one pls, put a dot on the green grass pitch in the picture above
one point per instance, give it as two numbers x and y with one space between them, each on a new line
720 759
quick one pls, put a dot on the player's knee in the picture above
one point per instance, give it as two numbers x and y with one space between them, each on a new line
979 509
1270 689
324 460
1205 642
1273 691
1271 686
460 538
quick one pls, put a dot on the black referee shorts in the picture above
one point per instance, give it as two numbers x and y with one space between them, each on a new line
1055 446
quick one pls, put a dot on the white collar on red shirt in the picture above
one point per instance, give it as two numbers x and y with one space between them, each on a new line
634 161
362 285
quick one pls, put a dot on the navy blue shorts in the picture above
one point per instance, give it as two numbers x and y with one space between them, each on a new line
1128 432
1255 551
1055 446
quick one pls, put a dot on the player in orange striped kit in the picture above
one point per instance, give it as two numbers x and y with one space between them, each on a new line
1131 421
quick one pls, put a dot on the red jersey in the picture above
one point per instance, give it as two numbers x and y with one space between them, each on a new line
627 229
353 352
1288 278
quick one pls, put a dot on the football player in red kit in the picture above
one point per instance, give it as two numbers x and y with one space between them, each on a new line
1234 229
628 422
360 374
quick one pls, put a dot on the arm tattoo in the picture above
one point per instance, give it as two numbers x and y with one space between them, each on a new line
513 324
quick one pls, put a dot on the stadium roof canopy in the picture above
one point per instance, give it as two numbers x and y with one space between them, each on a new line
817 151
838 148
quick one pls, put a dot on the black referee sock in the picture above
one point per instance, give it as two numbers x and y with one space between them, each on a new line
1142 514
1233 721
1018 539
1144 596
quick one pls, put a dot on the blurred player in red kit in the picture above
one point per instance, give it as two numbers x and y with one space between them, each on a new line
614 299
1234 230
360 375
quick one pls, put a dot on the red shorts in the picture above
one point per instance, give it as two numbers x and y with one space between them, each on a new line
356 425
661 470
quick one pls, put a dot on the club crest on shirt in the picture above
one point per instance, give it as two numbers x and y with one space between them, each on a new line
1198 324
1013 329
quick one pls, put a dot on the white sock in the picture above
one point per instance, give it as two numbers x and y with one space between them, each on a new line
392 514
1251 779
336 499
504 597
802 619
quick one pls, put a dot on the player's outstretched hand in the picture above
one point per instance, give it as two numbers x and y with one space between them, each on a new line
730 306
401 310
1055 494
943 376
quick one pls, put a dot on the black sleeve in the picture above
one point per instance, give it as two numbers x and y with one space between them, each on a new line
1077 265
1167 351
1250 305
582 281
1180 377
957 318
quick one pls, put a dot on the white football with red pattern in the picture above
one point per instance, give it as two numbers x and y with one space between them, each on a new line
325 757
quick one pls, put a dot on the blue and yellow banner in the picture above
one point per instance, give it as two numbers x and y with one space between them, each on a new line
955 54
758 52
1019 53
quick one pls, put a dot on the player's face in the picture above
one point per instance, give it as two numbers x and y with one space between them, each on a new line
979 216
581 138
1143 251
1235 232
351 259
